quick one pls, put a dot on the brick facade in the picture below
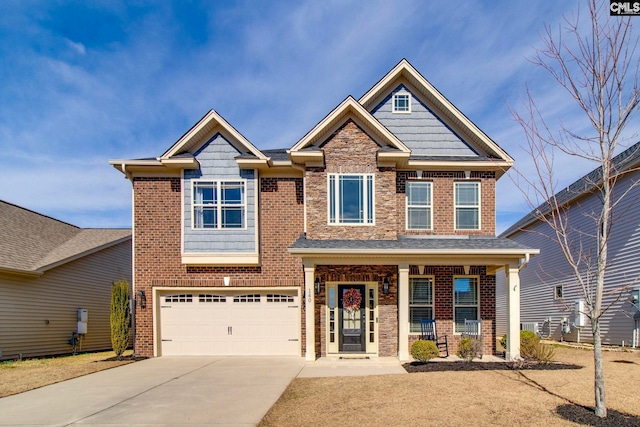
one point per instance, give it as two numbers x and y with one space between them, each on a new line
157 234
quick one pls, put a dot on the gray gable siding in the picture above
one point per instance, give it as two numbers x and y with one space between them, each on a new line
217 162
549 269
421 130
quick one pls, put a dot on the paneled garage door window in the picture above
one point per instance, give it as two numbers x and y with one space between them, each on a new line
211 298
279 298
179 298
247 298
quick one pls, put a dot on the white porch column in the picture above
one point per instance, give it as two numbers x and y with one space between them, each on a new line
310 310
512 274
403 312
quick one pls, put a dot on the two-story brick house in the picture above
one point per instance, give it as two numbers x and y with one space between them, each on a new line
381 215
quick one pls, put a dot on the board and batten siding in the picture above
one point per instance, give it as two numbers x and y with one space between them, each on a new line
217 162
421 130
28 303
549 269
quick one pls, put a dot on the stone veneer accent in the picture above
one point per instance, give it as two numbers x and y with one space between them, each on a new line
157 233
351 150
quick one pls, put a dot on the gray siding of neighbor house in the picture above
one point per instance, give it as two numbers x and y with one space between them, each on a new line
39 314
423 132
217 161
549 269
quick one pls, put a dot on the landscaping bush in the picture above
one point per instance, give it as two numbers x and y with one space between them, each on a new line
531 349
527 338
423 350
469 348
120 317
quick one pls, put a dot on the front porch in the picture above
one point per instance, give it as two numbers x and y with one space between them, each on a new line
396 288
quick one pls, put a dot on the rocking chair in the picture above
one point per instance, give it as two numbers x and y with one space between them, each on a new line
430 333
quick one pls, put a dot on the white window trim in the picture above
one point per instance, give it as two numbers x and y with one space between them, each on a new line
407 206
479 206
365 202
218 205
464 305
393 103
555 292
433 297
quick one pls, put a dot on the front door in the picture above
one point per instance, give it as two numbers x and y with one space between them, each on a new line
352 318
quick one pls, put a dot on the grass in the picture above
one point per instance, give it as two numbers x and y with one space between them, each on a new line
479 398
20 376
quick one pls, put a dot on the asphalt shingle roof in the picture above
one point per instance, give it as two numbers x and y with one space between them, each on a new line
472 243
31 241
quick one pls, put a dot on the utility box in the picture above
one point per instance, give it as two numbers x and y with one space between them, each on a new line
83 320
579 318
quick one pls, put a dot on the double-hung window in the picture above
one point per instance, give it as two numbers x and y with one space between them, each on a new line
351 199
401 103
420 301
467 205
418 205
465 301
219 204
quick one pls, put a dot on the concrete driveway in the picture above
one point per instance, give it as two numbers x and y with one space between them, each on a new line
164 391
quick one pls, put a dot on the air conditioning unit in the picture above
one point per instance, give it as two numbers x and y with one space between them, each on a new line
83 319
579 317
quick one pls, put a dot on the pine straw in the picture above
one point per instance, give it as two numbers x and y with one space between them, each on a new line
20 376
454 398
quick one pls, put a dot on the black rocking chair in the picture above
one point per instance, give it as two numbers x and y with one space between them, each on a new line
430 333
473 329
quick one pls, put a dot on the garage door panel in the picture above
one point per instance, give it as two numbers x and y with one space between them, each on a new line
244 323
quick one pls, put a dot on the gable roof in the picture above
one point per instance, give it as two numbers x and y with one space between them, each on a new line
405 73
33 243
622 163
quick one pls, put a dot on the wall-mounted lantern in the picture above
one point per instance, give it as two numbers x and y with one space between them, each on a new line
142 299
317 285
385 286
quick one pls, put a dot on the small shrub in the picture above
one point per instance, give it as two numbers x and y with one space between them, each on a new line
423 350
544 353
528 340
503 342
469 348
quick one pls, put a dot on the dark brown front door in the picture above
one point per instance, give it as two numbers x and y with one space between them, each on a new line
352 318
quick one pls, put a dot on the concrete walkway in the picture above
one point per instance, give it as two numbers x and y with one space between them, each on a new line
165 391
335 367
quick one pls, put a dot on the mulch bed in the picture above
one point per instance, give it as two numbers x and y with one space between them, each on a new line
586 416
124 358
483 366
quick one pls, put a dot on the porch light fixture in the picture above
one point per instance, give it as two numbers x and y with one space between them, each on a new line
385 286
142 299
317 285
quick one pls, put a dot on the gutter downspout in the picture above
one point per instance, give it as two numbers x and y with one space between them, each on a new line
524 261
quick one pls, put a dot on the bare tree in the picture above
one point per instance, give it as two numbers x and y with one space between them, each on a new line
596 63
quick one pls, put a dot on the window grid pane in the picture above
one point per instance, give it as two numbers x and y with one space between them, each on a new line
416 314
218 204
420 301
350 199
467 205
418 205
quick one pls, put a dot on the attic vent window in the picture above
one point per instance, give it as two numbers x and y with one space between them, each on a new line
401 103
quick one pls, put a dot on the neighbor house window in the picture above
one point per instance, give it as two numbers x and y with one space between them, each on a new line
465 301
219 204
420 301
467 205
350 199
558 291
418 205
401 103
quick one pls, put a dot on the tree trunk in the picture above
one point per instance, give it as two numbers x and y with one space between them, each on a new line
601 406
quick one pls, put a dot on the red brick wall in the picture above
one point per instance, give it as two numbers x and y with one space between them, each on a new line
157 233
443 203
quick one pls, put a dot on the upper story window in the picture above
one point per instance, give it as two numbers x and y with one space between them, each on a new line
401 103
467 205
219 204
419 205
351 199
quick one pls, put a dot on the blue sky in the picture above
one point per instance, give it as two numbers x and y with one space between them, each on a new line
84 82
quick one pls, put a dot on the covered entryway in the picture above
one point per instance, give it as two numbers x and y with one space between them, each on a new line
229 323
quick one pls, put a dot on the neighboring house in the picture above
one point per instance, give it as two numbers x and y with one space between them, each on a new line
381 215
550 296
48 270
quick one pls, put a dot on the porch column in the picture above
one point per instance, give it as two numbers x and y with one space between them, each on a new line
403 312
310 310
512 274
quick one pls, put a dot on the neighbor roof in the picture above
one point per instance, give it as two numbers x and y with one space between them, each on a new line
33 243
622 163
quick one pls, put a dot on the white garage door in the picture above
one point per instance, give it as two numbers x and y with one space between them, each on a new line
225 324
